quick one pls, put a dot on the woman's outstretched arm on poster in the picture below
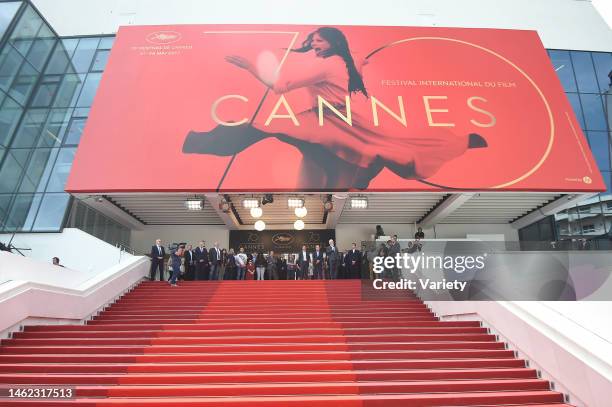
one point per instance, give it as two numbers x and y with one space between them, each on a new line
244 63
288 79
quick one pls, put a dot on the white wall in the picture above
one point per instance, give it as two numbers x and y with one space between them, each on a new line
35 292
348 233
142 240
564 24
76 249
570 342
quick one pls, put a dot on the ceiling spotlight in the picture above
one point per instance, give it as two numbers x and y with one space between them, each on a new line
260 225
295 202
194 204
256 212
267 198
301 211
328 205
360 202
250 203
99 199
298 224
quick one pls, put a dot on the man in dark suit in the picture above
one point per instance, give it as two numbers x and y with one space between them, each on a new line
352 262
317 261
303 263
214 255
333 258
201 261
189 263
394 249
157 259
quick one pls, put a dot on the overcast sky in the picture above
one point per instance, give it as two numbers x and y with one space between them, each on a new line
605 9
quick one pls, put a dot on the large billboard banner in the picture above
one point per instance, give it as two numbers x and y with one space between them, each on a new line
308 108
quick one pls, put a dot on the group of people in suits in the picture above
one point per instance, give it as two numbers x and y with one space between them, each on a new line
195 264
219 264
325 264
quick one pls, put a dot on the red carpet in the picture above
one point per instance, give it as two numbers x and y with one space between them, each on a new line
271 343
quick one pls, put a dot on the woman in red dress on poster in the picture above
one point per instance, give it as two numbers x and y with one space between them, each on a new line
335 154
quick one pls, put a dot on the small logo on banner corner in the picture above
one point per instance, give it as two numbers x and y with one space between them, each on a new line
163 37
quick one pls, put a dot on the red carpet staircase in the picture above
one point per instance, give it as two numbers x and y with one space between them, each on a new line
271 343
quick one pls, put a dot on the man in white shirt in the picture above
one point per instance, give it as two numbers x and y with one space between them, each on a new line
157 259
332 259
215 261
241 262
317 259
201 261
302 264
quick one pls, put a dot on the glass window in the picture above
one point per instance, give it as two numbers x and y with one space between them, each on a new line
7 12
10 62
81 112
89 90
100 60
603 66
592 108
47 171
590 228
69 90
607 178
58 178
46 91
58 63
106 42
55 128
70 45
32 177
24 83
79 215
5 202
51 213
600 146
585 72
26 30
10 113
75 131
13 166
90 221
23 211
575 102
562 64
30 128
41 48
84 53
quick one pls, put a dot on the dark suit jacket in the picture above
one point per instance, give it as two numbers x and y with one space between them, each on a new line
301 261
394 249
155 252
350 257
212 255
189 257
317 260
332 255
201 255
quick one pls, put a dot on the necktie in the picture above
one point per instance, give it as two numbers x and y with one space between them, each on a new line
159 250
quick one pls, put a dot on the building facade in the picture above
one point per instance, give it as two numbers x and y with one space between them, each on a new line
48 82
